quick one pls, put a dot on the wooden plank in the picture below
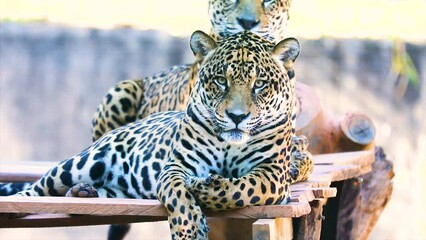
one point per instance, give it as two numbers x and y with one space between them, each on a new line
134 207
87 206
62 220
324 192
338 173
309 184
302 196
345 158
271 211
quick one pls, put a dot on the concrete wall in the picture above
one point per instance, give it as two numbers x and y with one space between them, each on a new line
53 77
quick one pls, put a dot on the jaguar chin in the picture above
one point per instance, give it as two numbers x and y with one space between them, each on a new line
235 136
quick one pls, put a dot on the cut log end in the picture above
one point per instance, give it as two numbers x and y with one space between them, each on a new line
358 128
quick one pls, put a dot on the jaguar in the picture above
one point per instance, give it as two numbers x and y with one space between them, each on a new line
130 100
169 90
230 148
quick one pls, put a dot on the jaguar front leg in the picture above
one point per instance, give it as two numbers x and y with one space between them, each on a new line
186 219
266 184
301 164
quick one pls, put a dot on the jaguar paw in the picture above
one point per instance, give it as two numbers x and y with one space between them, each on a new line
82 190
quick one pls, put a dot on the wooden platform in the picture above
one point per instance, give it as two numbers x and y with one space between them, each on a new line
53 211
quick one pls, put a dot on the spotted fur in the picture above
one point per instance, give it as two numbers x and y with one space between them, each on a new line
7 189
168 91
231 148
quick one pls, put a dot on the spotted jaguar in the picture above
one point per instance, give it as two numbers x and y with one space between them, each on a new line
169 90
130 100
266 18
231 148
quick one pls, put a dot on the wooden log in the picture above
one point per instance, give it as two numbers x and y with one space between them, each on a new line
360 201
363 199
358 132
328 132
308 105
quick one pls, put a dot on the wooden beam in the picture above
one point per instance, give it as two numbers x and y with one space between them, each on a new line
63 220
134 207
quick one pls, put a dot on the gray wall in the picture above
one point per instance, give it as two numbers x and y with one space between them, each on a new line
53 77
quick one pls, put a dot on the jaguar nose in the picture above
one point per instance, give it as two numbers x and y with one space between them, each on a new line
237 118
247 24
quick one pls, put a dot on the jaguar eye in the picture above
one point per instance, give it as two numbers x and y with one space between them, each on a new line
267 2
221 82
259 85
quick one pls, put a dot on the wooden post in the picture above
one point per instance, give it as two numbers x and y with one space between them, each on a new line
273 229
228 229
309 226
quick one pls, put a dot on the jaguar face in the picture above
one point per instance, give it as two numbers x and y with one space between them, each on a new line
243 85
266 18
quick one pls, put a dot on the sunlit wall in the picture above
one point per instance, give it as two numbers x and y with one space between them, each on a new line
309 18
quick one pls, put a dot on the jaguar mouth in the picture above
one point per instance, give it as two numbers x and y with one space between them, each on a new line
235 136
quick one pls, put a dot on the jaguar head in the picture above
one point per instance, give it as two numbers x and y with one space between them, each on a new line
243 88
266 18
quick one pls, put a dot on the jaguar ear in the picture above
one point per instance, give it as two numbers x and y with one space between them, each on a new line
201 44
287 50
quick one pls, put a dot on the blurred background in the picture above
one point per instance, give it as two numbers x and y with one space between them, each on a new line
59 57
